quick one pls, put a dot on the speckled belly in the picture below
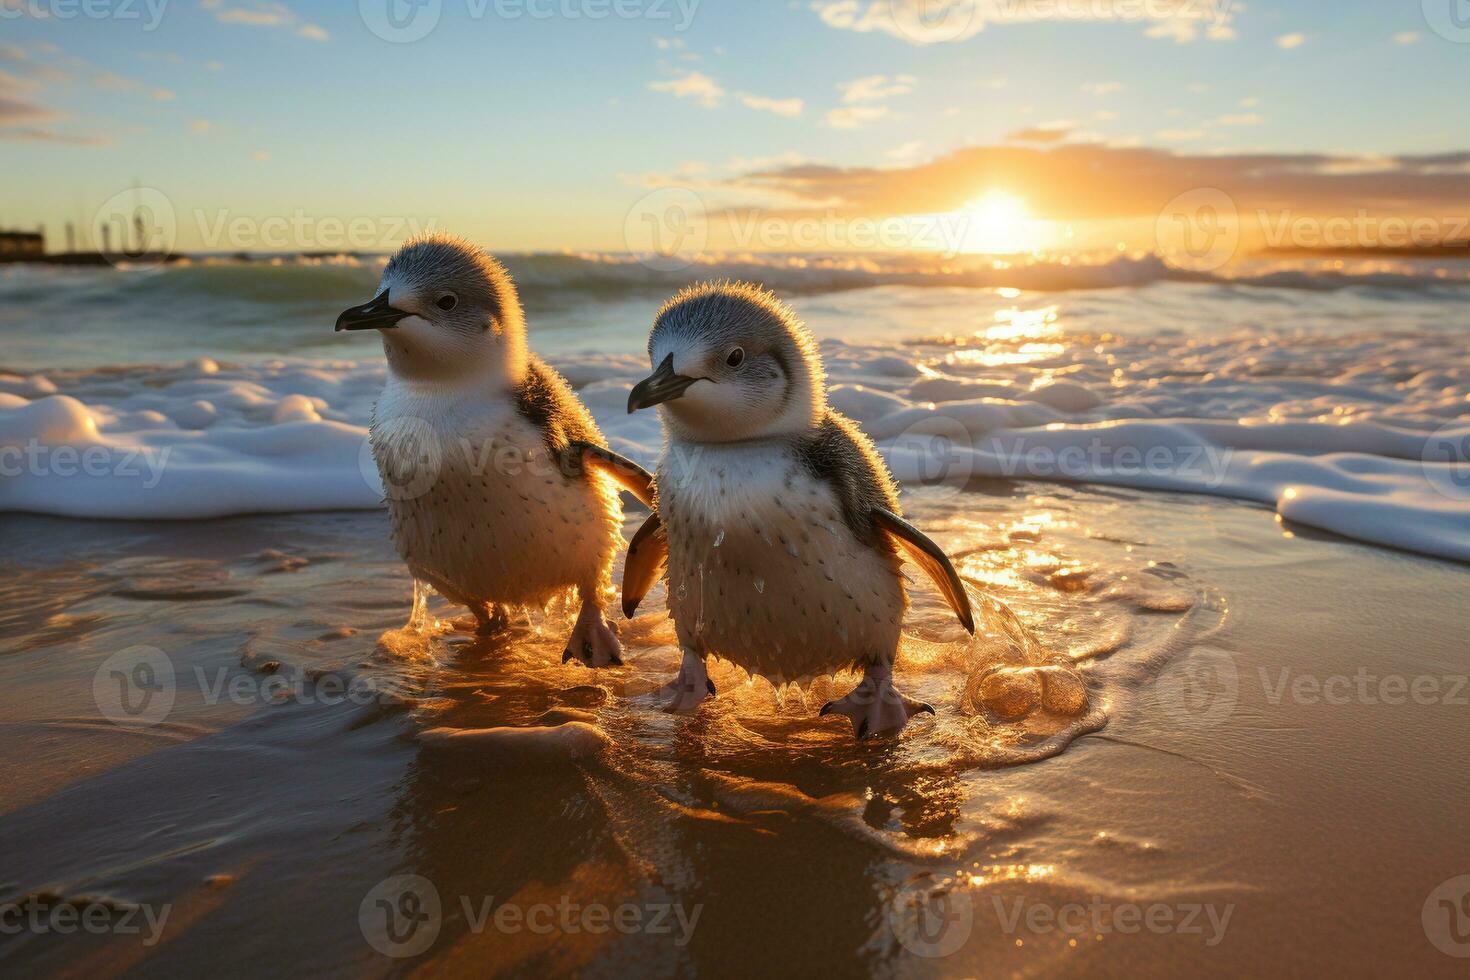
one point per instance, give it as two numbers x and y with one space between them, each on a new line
500 524
763 571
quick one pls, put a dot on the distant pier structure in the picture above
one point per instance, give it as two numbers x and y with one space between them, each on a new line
22 246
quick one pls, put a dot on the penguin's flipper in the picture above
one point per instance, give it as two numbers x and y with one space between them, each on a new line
623 471
647 555
917 548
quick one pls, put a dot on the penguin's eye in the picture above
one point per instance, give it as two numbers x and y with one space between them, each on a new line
736 358
447 302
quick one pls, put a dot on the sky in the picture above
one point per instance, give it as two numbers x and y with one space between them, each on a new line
255 125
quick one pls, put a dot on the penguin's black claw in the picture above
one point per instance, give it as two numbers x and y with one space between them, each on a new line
566 655
709 685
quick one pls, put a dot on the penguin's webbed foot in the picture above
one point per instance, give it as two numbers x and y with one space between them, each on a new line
690 689
492 620
875 706
593 642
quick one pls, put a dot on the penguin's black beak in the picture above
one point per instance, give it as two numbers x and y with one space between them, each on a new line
661 386
377 315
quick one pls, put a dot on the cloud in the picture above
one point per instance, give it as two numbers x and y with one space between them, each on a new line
16 104
1100 89
790 108
692 85
264 13
936 21
876 88
1242 119
855 116
1179 135
1287 42
1053 132
36 134
1406 37
690 173
1182 30
906 151
1091 181
200 126
14 111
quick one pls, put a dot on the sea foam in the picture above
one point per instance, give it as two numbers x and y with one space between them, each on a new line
1363 436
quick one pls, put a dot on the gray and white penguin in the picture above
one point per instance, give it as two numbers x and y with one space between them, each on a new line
499 485
777 519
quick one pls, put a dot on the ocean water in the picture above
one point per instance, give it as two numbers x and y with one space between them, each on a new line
1338 397
1169 487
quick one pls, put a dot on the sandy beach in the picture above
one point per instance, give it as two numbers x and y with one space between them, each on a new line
231 753
1216 812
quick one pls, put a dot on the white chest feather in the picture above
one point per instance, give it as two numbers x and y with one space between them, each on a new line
764 571
480 509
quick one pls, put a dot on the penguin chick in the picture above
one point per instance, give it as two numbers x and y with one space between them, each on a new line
499 487
777 518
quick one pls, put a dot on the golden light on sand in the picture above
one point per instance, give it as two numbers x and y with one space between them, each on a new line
998 222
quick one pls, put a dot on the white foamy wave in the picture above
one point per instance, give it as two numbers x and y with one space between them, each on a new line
1365 436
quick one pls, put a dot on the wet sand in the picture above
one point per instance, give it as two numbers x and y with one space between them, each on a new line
1207 812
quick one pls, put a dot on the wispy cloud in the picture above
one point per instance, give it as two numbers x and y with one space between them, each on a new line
790 108
40 134
854 116
264 13
938 21
1287 42
875 88
694 85
1081 181
1052 132
1406 37
1100 89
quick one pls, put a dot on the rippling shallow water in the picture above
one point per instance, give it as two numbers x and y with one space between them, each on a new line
264 820
313 749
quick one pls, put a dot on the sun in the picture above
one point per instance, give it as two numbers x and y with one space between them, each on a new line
997 223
